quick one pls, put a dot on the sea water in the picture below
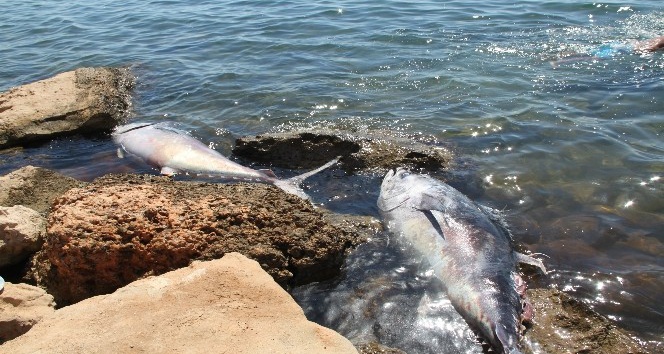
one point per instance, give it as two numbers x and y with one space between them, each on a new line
571 150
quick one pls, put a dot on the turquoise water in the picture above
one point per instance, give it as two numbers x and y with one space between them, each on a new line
573 153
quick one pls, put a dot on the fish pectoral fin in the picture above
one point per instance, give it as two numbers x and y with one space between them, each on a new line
168 171
524 258
434 222
120 153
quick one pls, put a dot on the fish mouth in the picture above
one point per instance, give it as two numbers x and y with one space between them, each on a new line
398 172
389 175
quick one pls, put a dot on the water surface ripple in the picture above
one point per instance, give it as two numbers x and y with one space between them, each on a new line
573 153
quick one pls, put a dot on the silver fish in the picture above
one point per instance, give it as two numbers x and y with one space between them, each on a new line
174 151
473 258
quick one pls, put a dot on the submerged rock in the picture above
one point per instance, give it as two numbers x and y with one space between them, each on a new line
21 307
80 101
367 151
123 227
227 305
566 325
22 233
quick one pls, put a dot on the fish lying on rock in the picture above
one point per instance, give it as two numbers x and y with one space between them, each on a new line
174 151
473 258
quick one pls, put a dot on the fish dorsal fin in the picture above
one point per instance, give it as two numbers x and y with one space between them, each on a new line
267 172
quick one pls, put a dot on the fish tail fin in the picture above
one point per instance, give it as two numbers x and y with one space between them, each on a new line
299 178
524 258
268 172
292 185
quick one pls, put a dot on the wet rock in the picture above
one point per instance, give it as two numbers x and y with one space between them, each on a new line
123 227
227 305
80 101
22 233
370 150
376 348
566 325
21 307
34 187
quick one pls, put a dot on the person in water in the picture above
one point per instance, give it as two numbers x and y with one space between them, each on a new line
611 49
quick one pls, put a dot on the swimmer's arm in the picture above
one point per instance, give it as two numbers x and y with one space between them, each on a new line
650 45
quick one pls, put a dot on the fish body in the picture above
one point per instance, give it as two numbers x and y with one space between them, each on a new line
472 257
174 151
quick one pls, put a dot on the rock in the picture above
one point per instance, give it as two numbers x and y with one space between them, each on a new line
80 101
34 187
123 227
566 325
22 233
227 305
370 150
21 307
376 348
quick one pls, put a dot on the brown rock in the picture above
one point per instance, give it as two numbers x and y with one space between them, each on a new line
21 307
366 151
377 348
123 227
22 233
34 187
224 306
84 100
566 325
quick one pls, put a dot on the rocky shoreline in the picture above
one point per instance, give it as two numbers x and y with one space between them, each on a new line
166 265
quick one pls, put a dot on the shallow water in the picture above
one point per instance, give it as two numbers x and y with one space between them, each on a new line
572 153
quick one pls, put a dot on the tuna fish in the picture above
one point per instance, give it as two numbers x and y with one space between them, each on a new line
469 253
174 151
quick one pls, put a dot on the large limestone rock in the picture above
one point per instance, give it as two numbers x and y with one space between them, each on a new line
84 100
21 307
22 233
34 187
225 306
124 227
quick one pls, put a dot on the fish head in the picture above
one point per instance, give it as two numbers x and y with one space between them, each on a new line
401 187
394 191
